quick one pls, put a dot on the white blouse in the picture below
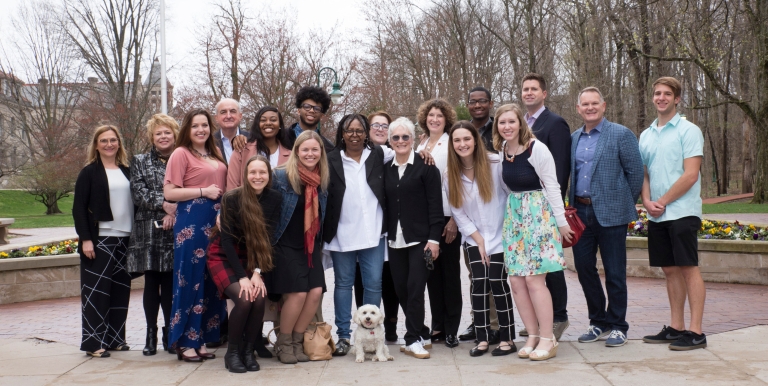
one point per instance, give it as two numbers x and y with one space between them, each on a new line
121 204
475 215
440 154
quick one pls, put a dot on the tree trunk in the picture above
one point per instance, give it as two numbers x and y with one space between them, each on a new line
51 202
746 154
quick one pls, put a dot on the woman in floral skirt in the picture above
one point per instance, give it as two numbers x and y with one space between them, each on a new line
195 177
534 225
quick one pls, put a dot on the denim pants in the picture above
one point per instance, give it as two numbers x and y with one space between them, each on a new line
371 264
612 242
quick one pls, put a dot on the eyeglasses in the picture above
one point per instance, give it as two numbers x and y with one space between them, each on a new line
108 140
473 102
308 107
397 138
380 126
358 133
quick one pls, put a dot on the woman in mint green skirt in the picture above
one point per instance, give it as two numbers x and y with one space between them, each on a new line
534 226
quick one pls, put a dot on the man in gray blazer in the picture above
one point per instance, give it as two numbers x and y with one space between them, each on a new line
229 137
606 179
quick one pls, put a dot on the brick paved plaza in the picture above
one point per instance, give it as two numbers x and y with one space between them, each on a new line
735 322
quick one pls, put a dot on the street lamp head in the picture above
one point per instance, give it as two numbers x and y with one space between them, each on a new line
336 93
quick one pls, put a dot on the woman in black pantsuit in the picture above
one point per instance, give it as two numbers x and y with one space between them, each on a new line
103 214
414 224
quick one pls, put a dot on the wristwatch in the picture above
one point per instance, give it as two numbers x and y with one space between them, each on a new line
257 270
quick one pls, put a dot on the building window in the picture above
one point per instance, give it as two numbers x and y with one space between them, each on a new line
12 126
2 125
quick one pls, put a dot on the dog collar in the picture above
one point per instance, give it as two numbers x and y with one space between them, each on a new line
371 329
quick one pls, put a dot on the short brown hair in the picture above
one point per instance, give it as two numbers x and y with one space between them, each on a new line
159 120
439 103
536 77
674 84
525 134
380 113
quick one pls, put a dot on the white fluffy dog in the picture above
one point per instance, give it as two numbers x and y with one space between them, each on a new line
369 335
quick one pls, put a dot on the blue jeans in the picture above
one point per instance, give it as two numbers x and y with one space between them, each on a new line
612 242
371 265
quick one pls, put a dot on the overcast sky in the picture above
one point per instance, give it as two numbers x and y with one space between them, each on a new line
183 16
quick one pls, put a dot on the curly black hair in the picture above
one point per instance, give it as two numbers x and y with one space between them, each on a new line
344 124
316 94
256 135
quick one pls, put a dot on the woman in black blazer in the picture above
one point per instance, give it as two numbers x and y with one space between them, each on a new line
414 215
354 220
103 214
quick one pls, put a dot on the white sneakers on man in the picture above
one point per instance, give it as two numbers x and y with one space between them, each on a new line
416 350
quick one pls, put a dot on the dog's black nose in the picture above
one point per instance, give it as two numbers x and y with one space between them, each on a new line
367 319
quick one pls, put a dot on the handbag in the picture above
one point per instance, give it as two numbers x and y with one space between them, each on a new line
576 226
318 344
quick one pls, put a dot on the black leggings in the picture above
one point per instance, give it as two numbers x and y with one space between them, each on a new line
246 316
158 292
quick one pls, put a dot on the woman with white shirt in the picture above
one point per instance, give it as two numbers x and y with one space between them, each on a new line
354 223
478 196
103 214
436 117
534 227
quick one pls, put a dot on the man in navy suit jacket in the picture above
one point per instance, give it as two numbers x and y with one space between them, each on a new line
229 137
551 130
607 176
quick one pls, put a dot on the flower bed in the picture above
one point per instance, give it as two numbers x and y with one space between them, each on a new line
60 248
716 230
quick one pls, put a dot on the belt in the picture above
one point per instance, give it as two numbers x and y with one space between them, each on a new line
583 200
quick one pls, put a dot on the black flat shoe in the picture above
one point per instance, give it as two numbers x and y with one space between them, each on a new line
477 351
451 341
438 337
150 347
499 351
122 347
469 333
103 354
205 355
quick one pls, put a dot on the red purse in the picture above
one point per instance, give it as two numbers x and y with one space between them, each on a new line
576 226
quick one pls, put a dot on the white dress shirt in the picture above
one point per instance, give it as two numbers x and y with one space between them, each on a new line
439 153
399 239
475 215
227 145
361 214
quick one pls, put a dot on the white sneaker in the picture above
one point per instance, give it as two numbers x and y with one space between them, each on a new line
425 343
416 350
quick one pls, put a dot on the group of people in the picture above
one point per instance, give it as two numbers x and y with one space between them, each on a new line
256 216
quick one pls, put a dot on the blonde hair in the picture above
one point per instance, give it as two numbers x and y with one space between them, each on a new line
481 166
160 120
121 158
292 165
525 135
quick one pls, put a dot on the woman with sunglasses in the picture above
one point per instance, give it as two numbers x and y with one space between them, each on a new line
415 222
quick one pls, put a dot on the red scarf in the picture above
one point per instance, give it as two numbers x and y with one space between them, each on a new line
311 180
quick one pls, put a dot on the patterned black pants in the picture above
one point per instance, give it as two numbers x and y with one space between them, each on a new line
487 280
105 289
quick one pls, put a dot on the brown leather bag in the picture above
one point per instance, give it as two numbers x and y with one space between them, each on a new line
318 343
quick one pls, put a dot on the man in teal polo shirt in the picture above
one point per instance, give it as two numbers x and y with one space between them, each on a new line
672 149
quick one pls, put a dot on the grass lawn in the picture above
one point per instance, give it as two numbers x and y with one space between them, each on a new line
30 213
736 207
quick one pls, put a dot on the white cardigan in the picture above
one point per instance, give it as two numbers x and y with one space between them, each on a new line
542 161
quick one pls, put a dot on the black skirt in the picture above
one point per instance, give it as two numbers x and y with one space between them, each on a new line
292 272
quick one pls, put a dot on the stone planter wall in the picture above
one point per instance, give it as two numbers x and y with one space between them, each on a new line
43 277
722 261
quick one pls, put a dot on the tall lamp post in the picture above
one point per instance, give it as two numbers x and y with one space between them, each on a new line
336 93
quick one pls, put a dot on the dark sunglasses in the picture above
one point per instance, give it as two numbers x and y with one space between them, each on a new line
397 138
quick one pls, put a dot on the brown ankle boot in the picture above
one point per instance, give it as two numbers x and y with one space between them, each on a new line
298 347
284 349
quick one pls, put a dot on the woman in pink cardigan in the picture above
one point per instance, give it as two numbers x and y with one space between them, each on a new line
267 138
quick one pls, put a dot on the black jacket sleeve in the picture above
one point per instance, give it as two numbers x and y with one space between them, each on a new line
433 186
80 205
560 147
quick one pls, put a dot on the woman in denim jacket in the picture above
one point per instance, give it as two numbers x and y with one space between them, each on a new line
298 272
